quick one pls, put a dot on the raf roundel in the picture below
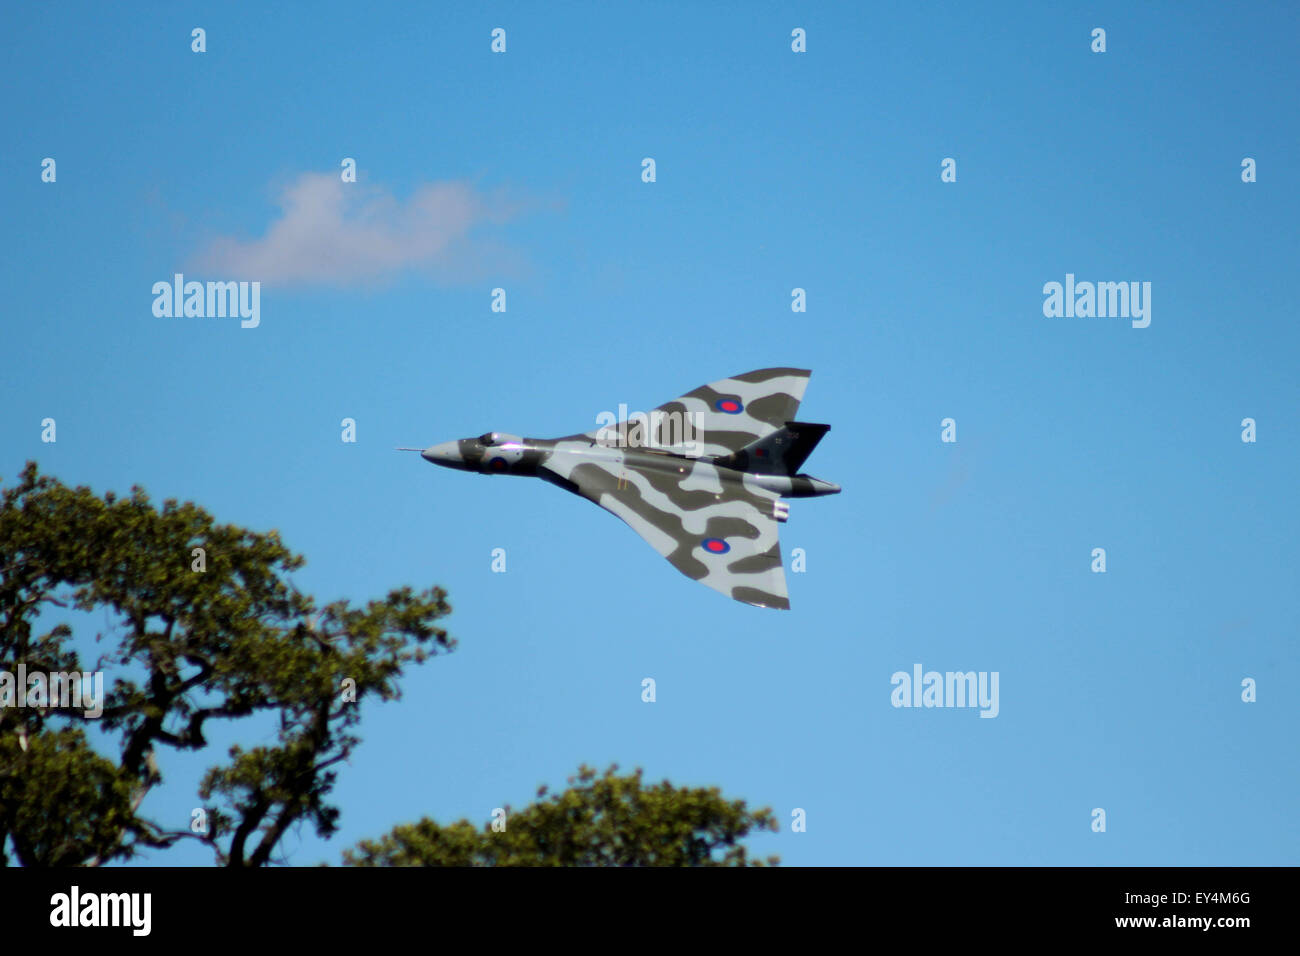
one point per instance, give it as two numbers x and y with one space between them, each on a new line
497 464
729 406
715 546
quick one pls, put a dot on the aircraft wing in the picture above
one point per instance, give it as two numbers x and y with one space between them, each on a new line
722 534
731 413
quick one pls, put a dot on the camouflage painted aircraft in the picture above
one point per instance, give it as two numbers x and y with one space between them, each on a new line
700 478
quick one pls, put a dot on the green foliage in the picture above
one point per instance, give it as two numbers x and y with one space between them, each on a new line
62 803
609 820
186 648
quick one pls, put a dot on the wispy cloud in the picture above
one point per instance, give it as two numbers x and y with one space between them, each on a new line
336 233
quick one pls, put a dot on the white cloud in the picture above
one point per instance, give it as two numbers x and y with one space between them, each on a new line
331 232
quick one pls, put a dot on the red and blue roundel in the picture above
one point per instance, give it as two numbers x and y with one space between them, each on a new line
729 406
715 546
497 464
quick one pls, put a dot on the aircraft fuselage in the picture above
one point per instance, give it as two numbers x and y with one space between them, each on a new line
497 453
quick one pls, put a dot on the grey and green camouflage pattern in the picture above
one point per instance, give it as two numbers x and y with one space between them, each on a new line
700 478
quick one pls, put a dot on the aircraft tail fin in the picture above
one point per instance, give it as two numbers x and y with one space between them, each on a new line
783 452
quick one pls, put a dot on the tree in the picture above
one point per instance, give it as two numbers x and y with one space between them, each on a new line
195 636
599 821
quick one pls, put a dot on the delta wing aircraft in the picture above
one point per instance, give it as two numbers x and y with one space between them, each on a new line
700 478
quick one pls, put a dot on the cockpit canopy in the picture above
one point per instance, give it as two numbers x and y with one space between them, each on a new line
489 439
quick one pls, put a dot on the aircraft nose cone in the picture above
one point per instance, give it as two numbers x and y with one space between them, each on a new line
446 453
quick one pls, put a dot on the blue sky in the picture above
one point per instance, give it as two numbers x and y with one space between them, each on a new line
775 170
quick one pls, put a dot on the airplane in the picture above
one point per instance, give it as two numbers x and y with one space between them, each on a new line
700 478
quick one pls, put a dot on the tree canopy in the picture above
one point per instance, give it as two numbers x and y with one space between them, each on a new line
206 626
607 820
